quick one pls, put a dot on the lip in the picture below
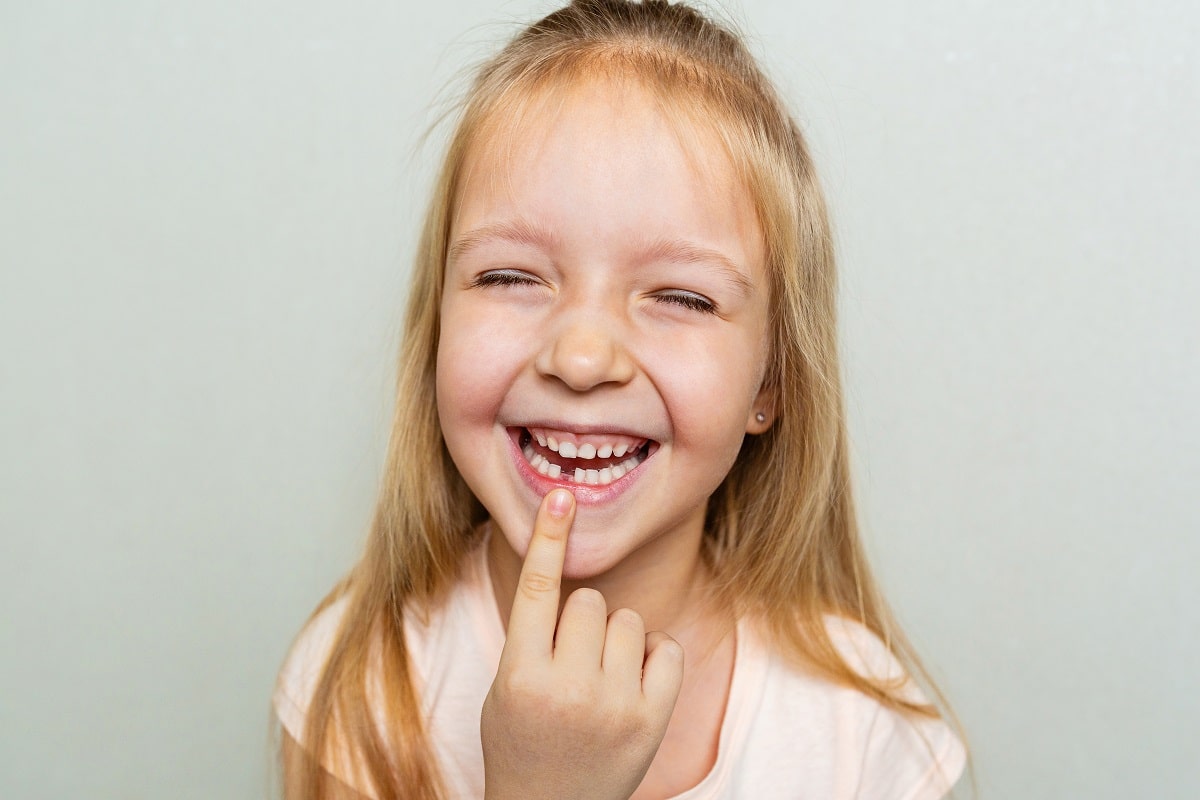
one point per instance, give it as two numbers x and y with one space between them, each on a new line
585 495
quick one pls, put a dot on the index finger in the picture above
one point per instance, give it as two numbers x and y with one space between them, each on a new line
535 605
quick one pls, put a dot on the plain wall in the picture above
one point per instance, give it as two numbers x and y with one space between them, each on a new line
207 211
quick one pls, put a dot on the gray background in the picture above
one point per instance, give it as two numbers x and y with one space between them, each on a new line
207 212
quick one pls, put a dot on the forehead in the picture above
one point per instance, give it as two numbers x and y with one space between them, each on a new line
522 119
566 144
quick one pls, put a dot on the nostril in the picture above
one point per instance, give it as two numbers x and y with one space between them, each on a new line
585 354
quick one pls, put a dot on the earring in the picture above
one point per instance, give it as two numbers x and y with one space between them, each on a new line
760 417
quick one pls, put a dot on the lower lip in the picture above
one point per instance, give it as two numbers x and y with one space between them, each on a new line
585 494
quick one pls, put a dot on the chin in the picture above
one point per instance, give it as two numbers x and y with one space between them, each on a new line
590 552
583 563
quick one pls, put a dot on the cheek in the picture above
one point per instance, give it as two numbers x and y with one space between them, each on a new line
710 391
458 379
475 366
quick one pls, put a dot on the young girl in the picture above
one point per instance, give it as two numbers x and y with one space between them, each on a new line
615 553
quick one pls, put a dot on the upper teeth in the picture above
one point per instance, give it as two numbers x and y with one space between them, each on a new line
571 450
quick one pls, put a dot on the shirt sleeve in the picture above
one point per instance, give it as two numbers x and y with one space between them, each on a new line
904 756
910 758
297 681
297 685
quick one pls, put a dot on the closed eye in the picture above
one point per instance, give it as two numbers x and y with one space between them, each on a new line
689 300
504 277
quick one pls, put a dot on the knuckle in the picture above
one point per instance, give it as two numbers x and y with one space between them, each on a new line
522 685
510 684
575 696
536 584
664 646
588 598
628 618
671 649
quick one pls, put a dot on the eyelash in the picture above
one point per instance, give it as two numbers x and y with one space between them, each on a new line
503 278
688 300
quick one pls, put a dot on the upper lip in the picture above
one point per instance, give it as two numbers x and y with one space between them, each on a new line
585 429
582 428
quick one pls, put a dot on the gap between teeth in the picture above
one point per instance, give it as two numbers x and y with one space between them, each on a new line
590 477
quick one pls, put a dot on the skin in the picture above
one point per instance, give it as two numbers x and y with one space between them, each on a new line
581 700
603 279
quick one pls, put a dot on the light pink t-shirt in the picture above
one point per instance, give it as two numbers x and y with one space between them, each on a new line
785 734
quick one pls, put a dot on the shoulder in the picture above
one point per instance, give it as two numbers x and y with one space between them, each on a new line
461 631
869 656
900 749
832 736
301 671
451 647
295 689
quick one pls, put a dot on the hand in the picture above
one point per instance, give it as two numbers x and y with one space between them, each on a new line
579 714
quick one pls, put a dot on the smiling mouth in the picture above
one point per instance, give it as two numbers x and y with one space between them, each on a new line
588 461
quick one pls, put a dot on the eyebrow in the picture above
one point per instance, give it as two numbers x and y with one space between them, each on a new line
516 231
682 252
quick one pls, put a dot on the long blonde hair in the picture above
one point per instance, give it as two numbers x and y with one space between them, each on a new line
781 535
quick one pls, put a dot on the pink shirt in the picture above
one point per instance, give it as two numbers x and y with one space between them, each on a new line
785 734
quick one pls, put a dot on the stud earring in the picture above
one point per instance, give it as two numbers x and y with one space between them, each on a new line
761 417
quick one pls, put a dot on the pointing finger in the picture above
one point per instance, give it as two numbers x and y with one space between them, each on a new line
535 605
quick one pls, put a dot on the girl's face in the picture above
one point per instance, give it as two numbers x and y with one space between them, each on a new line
603 326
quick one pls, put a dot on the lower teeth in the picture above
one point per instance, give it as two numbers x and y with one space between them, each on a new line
587 477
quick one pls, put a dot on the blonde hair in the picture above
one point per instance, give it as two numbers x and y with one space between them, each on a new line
781 535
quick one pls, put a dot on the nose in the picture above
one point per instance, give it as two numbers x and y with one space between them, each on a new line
585 351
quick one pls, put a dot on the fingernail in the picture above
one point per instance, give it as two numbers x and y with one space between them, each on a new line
560 502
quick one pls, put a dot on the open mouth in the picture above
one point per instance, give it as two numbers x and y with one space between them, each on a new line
592 460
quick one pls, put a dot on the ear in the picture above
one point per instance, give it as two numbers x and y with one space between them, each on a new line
762 412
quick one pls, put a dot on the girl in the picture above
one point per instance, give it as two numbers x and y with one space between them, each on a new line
615 554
